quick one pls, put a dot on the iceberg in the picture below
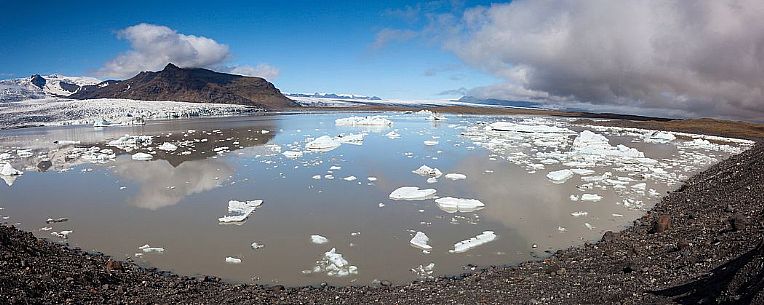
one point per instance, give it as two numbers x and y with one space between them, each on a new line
291 154
591 197
149 249
166 146
453 205
363 121
430 142
393 135
238 211
560 176
412 193
318 239
142 157
334 265
426 171
232 260
480 239
420 241
354 139
508 126
323 143
63 234
456 176
424 271
8 170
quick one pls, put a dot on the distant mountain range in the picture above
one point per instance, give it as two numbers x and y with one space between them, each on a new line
37 86
335 96
498 102
193 85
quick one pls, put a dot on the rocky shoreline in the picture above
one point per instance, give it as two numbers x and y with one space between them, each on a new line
701 244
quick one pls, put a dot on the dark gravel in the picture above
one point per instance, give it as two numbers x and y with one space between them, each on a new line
701 244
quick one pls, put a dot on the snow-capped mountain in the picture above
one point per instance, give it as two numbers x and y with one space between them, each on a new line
334 96
37 86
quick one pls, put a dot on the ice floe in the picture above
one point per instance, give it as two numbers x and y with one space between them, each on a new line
420 241
480 239
426 171
290 154
591 197
167 146
238 211
318 239
363 121
63 234
456 176
149 249
8 170
453 205
334 264
424 272
232 260
412 193
323 143
142 157
560 176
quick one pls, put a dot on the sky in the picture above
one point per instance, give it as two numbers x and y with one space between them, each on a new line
652 57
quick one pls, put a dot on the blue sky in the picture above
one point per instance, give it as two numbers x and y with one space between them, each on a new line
323 46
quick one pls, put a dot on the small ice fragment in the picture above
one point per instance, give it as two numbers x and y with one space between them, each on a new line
432 180
430 142
381 204
639 186
560 176
591 197
349 178
582 171
424 271
318 239
480 239
167 146
393 135
452 205
372 179
232 260
426 171
420 241
561 229
256 245
335 168
317 177
573 197
456 176
238 211
412 193
149 249
142 157
588 226
264 131
323 143
363 121
8 170
290 154
56 220
579 214
63 234
334 265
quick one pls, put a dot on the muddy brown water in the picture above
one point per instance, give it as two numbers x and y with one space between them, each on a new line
174 201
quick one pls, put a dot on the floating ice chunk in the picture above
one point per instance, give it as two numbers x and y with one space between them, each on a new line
412 193
561 229
560 176
24 153
8 170
142 157
591 197
334 265
579 214
238 211
426 171
381 205
573 198
63 234
424 271
264 131
582 171
323 143
232 260
430 142
349 178
456 176
329 177
149 249
354 139
393 135
452 205
420 241
588 226
508 126
318 239
256 245
465 245
317 177
589 143
659 137
432 180
363 121
291 154
335 168
6 156
639 186
371 179
167 146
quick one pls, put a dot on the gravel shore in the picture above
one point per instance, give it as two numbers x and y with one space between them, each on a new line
703 243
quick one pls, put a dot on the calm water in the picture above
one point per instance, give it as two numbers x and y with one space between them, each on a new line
175 200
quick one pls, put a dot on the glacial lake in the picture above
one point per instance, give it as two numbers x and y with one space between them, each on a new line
115 204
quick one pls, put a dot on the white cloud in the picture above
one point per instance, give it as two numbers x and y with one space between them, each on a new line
386 36
154 46
687 57
262 70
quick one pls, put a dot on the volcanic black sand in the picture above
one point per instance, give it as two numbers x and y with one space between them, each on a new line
703 243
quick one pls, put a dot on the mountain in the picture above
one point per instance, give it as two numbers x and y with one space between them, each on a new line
335 96
498 102
37 86
194 85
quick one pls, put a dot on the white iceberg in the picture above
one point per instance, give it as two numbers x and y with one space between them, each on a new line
238 211
349 178
430 142
363 121
354 139
560 176
8 170
63 234
453 205
323 143
167 146
393 135
142 157
149 249
426 171
508 126
232 260
412 193
318 239
456 176
291 154
481 239
420 241
591 197
334 265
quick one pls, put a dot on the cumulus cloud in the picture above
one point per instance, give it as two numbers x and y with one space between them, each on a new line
154 46
387 36
691 57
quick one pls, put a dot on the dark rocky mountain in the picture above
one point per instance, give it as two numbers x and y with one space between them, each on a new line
38 81
194 85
